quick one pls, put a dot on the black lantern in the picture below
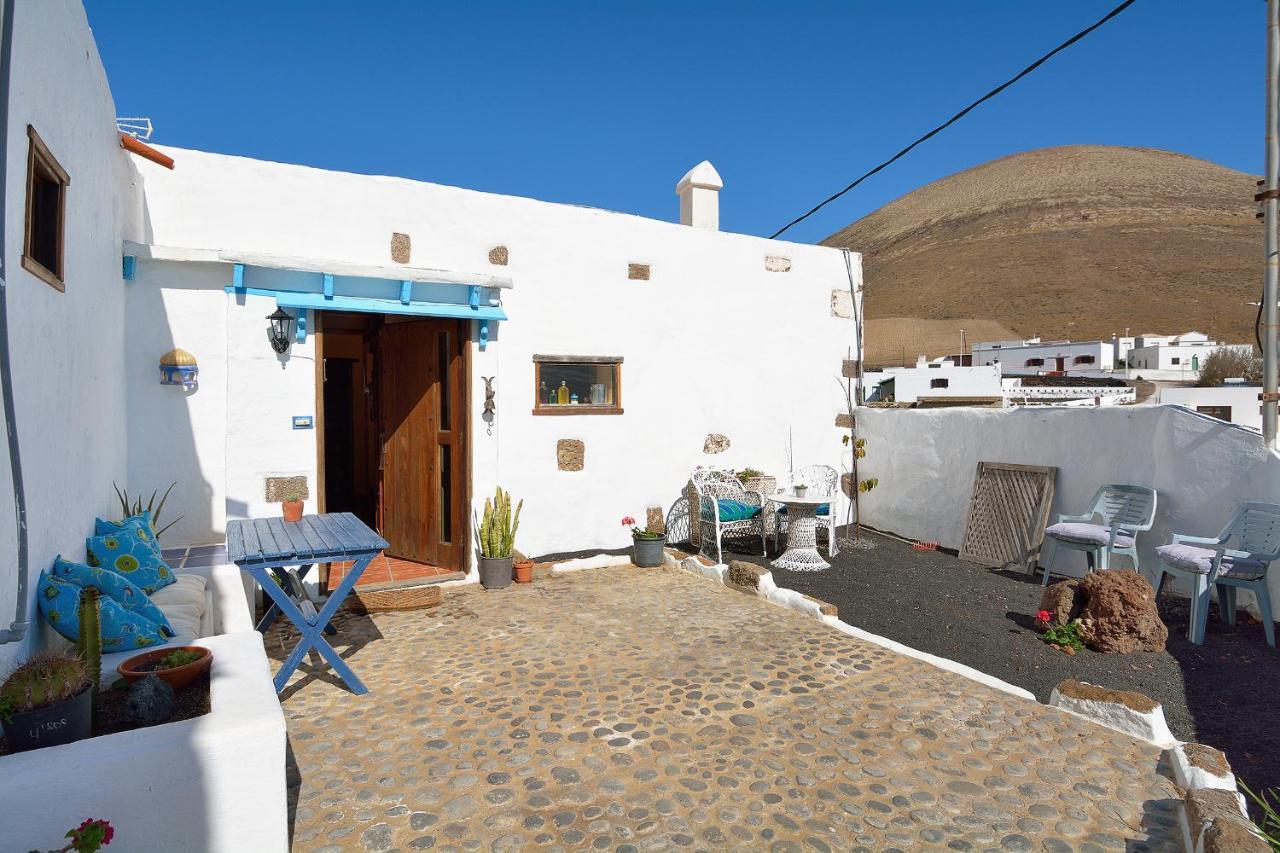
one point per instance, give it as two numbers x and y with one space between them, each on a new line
281 330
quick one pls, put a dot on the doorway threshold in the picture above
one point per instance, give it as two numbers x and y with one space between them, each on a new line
389 572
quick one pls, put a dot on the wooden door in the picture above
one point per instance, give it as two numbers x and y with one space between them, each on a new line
422 419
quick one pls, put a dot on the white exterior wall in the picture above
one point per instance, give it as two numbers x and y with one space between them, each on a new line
1013 359
912 383
695 339
1201 468
1243 400
67 348
1162 356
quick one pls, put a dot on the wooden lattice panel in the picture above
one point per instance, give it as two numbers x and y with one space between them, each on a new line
1008 514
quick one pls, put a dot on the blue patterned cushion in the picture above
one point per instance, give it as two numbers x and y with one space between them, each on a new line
133 552
823 509
731 510
116 587
122 630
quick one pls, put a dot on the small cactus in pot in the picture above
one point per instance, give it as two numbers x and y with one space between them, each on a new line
497 534
45 702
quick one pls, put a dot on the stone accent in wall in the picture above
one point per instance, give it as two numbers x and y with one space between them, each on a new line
715 443
654 522
400 248
498 256
279 488
1216 824
841 304
744 575
570 454
777 263
638 272
844 420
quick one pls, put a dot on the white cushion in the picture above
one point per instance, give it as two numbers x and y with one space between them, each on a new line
1084 534
186 589
185 620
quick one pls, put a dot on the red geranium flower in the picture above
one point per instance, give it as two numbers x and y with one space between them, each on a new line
1044 616
628 521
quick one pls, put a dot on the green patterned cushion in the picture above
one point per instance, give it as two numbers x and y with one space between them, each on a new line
122 630
114 586
731 510
133 552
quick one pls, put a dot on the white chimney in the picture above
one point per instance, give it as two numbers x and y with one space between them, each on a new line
699 192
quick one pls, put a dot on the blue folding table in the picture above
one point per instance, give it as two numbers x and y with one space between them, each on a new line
261 546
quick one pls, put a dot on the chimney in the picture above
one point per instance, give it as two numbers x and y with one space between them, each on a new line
699 192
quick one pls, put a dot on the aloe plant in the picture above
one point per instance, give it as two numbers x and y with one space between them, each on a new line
131 505
498 527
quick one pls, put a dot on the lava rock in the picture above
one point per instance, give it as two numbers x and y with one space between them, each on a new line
1119 613
151 701
1063 600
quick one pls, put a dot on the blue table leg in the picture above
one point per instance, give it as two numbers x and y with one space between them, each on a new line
312 631
273 612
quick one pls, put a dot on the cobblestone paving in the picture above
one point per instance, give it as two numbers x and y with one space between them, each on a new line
629 709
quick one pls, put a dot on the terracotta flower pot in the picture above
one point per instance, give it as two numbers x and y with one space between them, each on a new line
292 510
135 668
524 571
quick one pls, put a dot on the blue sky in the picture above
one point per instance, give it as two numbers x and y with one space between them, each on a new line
609 103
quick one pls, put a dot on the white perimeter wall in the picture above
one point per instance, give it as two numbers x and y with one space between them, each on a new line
67 348
911 383
1201 468
713 342
1013 359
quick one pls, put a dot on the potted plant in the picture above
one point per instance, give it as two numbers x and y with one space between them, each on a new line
292 507
497 540
178 665
646 545
523 567
46 702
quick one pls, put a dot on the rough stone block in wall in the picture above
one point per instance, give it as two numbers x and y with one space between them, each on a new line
744 574
715 443
498 256
400 247
570 454
638 272
1214 816
844 420
777 263
653 520
280 488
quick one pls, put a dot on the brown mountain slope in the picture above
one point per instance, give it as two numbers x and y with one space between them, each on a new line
1080 241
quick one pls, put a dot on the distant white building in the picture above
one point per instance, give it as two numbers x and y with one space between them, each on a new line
938 379
1234 402
1034 356
1174 356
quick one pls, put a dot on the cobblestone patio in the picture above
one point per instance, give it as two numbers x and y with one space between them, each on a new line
630 709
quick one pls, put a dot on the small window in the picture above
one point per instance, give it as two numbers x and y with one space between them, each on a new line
47 184
1084 359
577 385
1035 362
939 383
1222 413
1176 360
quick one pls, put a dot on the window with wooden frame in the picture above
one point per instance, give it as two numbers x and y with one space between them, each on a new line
577 385
47 184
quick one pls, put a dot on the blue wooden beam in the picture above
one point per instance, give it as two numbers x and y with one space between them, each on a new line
237 277
368 305
473 295
328 285
484 335
406 291
129 267
301 326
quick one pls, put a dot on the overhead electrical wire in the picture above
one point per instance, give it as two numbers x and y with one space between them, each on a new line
955 118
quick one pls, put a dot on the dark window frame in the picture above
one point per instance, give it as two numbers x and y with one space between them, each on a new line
940 382
1222 413
43 166
541 407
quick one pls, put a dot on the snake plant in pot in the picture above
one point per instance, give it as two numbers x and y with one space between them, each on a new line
498 540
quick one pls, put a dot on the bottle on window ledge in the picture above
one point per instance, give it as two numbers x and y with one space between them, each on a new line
573 399
562 394
543 393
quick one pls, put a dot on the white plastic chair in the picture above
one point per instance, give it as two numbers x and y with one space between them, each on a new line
1125 511
725 509
823 481
1212 564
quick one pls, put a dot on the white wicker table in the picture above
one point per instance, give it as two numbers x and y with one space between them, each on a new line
802 533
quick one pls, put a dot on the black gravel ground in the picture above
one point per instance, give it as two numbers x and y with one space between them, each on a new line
1225 693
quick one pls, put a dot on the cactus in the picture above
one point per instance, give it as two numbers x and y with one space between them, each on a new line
89 643
498 527
42 681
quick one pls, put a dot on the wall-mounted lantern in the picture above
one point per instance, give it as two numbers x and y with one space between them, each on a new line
281 330
178 367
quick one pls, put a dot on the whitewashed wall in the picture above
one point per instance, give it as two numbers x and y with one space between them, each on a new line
1201 468
713 342
1013 358
912 383
68 362
1243 400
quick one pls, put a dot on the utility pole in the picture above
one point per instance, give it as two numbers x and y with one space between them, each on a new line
1270 209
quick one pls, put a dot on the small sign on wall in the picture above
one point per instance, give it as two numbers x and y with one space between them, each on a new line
303 422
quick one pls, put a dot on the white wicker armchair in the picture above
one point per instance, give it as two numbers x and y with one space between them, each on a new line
823 481
726 509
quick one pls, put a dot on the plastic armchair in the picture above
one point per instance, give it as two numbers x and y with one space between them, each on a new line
1125 511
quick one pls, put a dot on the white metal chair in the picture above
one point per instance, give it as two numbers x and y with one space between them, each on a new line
726 509
1213 564
1125 511
823 481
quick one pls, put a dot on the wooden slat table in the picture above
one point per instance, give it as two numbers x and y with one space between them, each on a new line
261 546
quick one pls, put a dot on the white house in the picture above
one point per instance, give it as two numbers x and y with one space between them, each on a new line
1174 356
938 379
1034 356
1233 402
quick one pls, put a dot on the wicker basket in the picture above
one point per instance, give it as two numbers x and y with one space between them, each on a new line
385 599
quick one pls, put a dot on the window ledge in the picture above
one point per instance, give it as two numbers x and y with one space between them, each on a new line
577 410
42 272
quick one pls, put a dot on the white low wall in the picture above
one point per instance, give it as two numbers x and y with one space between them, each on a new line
1201 468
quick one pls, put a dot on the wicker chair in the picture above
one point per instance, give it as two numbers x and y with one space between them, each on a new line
822 480
726 509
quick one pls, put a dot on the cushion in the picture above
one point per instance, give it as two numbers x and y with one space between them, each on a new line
823 509
122 630
1087 534
186 620
1189 558
132 552
185 604
114 586
102 527
731 510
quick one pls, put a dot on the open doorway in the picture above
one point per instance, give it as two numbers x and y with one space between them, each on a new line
393 441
